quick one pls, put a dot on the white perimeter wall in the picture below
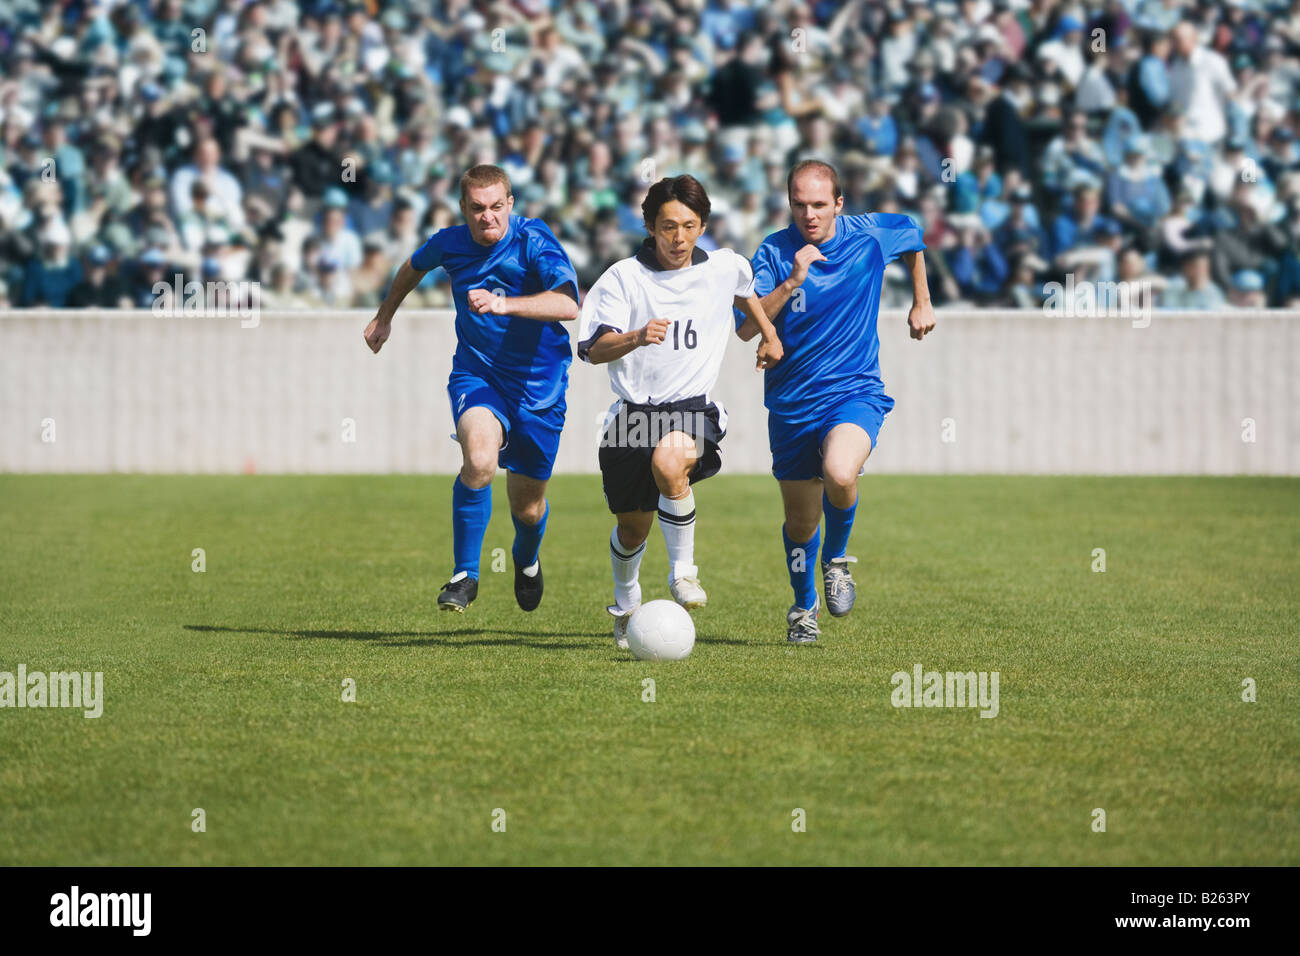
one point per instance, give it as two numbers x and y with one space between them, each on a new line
128 391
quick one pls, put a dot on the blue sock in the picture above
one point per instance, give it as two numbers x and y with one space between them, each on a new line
802 567
839 522
471 508
528 539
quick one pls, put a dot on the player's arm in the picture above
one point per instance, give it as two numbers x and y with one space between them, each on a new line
544 306
545 261
757 323
614 345
377 332
775 300
920 319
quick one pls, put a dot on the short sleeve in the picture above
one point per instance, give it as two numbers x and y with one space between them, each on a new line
605 309
429 255
763 270
895 233
744 277
547 258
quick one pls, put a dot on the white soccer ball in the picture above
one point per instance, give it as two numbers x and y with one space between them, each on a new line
660 631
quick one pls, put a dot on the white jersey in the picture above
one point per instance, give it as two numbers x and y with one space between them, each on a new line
697 300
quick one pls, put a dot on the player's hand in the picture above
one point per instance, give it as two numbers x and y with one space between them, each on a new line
652 333
769 353
804 258
920 319
377 333
484 302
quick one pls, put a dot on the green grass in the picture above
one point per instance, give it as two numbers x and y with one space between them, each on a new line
1119 690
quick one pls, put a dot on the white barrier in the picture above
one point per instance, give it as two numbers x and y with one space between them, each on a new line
988 391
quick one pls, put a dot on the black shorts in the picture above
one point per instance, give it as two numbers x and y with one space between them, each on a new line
629 441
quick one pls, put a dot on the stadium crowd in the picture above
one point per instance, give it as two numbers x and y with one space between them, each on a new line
311 146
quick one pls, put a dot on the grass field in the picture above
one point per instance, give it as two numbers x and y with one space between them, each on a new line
1120 690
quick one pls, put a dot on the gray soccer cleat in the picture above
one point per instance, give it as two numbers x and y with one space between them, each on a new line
839 587
802 624
621 618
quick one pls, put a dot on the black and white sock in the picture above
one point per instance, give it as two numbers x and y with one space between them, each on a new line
677 520
627 566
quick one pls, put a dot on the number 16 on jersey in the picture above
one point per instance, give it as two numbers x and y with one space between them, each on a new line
684 338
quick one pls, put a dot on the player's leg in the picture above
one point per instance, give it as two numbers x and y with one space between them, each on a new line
844 452
626 549
630 494
802 501
529 510
671 464
480 434
796 465
528 457
848 437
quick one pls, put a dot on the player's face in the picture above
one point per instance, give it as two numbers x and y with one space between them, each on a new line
677 229
487 212
814 207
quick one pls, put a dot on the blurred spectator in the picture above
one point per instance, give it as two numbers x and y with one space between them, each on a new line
99 288
53 273
1247 290
1136 192
1193 288
1200 84
1081 228
222 190
314 145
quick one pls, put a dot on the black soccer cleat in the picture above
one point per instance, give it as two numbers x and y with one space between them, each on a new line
528 591
458 594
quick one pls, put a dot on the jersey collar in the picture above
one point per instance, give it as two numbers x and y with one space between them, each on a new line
646 256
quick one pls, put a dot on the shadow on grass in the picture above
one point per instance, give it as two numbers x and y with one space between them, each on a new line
440 638
448 638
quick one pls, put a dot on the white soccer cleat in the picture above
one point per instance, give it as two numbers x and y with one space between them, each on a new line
621 618
688 593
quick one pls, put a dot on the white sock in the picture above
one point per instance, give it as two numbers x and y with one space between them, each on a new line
677 521
626 565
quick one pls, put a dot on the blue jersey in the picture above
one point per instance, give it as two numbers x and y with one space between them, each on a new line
525 360
828 327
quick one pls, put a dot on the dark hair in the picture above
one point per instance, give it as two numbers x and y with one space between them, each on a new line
476 177
826 169
685 189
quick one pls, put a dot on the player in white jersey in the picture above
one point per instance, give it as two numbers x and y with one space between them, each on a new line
661 320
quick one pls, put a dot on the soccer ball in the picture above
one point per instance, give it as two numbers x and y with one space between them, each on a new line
660 631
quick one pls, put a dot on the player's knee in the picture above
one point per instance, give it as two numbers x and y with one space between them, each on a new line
631 537
530 512
480 465
841 478
671 470
801 527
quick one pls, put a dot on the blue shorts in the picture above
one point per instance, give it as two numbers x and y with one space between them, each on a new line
531 437
797 446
